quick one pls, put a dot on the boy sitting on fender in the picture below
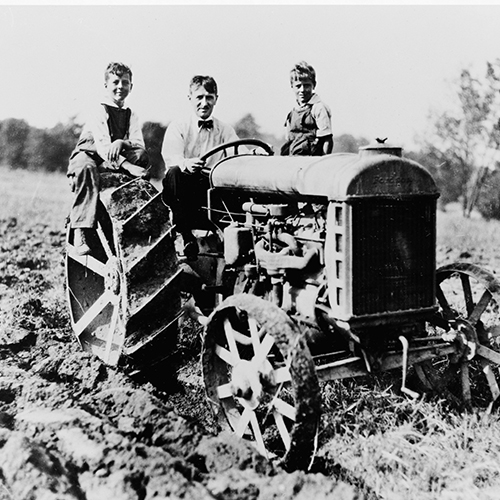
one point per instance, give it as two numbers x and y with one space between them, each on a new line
308 125
111 141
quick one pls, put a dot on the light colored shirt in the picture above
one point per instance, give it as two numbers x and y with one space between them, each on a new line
321 114
97 125
184 140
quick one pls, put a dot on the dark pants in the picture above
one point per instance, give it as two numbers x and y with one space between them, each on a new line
186 194
83 172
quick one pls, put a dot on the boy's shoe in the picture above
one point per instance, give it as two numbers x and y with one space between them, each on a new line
133 170
80 242
191 249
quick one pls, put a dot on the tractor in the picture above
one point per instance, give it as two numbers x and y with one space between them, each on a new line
310 269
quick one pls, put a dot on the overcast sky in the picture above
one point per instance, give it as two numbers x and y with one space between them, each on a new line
381 68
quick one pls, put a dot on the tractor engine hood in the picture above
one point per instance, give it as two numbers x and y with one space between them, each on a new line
333 177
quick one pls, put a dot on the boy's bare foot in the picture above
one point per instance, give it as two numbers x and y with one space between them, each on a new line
80 242
132 169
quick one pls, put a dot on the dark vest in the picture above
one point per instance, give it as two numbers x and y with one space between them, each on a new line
118 122
302 132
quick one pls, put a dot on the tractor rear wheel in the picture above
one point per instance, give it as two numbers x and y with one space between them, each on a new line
123 297
468 298
261 379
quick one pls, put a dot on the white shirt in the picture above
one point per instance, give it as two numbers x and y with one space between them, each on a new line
97 125
184 140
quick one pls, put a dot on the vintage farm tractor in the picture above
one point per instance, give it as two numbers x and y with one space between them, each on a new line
311 269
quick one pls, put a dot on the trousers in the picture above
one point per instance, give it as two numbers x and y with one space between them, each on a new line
186 194
83 172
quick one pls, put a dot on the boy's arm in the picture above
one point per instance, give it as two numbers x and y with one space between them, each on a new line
324 144
323 118
135 137
98 125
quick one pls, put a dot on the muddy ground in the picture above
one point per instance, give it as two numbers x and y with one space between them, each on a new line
73 428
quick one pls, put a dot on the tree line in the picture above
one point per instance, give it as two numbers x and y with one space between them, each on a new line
460 146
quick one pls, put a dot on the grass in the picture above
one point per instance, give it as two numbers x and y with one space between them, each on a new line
396 448
34 196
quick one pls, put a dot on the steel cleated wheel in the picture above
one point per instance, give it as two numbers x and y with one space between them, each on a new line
261 379
468 298
123 297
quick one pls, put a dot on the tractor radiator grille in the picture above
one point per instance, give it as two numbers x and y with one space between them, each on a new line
393 255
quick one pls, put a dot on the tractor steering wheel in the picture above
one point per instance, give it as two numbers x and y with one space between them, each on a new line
235 145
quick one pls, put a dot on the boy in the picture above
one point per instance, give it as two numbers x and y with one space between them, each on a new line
308 125
185 186
111 140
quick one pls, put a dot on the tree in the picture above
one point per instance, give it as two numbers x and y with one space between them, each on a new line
246 127
462 143
13 138
346 143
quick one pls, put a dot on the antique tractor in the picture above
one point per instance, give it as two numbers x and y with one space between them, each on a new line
311 269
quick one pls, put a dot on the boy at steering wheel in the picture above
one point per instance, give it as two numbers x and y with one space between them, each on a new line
185 184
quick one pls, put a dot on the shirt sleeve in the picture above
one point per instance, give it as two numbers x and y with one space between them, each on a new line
173 147
323 117
229 134
97 124
135 131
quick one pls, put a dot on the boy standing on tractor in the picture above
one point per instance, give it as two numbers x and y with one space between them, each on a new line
186 180
308 125
111 141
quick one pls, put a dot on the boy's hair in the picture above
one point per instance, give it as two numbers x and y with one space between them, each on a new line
118 69
303 70
207 82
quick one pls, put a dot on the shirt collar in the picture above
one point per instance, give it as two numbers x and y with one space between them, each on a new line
109 102
313 100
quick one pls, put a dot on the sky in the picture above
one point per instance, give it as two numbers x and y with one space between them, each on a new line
380 68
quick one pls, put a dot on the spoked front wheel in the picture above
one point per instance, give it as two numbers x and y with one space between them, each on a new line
468 298
261 378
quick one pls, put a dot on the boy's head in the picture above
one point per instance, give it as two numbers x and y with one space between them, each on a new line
118 82
303 81
203 95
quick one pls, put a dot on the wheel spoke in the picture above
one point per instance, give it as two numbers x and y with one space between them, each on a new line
263 350
111 333
225 355
282 375
285 409
93 311
228 329
257 434
480 307
254 334
104 241
443 302
87 261
488 354
490 377
282 429
464 375
243 422
224 391
469 302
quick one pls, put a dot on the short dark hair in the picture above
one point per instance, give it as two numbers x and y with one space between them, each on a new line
207 82
118 69
301 70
